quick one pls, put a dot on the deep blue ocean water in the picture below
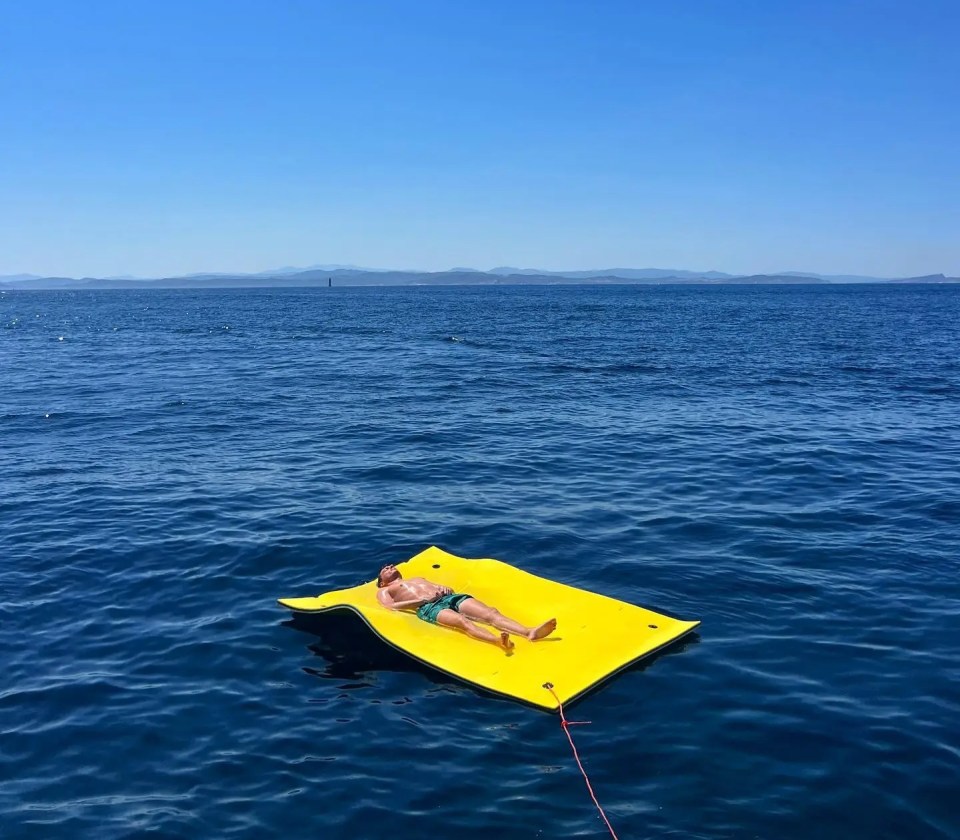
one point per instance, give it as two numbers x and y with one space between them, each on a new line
780 462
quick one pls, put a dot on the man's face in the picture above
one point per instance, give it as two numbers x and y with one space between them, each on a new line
388 575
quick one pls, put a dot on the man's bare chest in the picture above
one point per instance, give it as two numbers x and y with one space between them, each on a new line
414 588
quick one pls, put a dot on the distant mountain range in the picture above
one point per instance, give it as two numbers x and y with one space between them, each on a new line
346 275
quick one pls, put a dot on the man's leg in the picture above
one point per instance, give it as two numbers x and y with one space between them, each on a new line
472 608
451 618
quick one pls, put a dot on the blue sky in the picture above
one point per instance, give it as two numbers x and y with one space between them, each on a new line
152 138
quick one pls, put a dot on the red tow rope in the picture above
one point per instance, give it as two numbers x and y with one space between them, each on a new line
566 724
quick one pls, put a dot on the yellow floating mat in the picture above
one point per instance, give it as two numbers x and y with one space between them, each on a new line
595 637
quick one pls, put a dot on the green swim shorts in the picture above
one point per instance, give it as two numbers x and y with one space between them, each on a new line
430 611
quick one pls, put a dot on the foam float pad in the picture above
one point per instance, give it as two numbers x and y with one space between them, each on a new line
596 636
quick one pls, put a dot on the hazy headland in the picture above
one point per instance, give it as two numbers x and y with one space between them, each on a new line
504 275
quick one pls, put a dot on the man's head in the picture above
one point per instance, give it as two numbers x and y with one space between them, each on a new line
388 574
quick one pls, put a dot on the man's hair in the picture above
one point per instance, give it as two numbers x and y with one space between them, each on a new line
380 583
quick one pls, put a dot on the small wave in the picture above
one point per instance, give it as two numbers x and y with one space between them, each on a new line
609 370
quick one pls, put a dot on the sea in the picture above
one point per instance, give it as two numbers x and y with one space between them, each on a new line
781 463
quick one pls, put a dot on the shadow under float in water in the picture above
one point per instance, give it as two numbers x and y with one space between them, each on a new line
350 650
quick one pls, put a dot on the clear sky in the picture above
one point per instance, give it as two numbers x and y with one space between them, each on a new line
160 138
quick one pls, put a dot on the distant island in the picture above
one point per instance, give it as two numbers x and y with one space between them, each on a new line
339 275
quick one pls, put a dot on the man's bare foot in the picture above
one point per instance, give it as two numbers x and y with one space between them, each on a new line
543 630
506 642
